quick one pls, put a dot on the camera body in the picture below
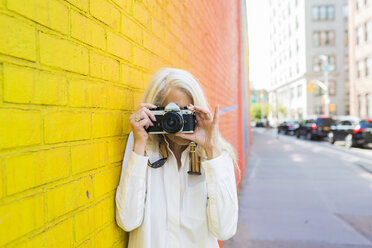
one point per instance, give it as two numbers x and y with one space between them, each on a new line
172 119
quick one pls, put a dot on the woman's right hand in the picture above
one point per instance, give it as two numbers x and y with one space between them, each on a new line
140 120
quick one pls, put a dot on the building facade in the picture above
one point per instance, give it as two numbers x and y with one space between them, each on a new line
360 39
300 33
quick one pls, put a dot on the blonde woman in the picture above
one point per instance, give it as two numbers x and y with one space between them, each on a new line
166 206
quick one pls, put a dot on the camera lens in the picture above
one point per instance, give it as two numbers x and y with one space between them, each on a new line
172 122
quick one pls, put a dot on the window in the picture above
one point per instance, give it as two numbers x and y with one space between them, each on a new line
299 90
323 38
345 11
346 37
358 4
292 93
367 31
359 68
368 67
318 64
359 34
346 62
360 105
368 105
323 13
332 87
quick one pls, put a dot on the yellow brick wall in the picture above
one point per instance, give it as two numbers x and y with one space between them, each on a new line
71 71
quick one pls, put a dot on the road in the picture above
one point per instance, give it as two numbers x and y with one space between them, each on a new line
304 194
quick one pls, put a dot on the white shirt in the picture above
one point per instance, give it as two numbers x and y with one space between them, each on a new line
166 207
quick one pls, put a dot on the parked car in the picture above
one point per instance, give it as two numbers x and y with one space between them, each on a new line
353 130
288 127
261 123
317 128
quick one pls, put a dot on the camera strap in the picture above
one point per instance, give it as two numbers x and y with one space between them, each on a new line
160 162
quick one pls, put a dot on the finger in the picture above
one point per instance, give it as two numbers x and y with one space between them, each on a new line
146 105
145 116
216 115
149 113
206 112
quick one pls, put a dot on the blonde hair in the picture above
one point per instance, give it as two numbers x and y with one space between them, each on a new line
159 87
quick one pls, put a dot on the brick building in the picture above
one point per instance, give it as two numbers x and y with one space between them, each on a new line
71 73
360 54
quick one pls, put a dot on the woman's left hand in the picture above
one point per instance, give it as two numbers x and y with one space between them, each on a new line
206 131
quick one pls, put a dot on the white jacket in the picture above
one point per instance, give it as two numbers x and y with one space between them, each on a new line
168 208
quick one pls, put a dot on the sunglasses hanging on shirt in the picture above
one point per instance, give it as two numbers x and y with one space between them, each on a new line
194 160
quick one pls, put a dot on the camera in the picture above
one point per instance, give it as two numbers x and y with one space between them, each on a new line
172 119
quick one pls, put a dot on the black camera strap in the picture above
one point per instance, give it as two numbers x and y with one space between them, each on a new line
160 162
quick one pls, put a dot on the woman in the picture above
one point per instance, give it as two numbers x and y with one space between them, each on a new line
166 206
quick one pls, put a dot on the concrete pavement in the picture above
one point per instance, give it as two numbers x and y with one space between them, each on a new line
306 194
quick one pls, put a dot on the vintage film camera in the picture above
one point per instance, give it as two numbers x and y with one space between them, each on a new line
172 119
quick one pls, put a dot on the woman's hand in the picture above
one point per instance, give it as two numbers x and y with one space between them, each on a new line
206 131
140 120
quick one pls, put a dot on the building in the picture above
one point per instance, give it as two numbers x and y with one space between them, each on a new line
300 33
360 39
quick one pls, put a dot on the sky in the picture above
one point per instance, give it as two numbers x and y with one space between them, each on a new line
259 44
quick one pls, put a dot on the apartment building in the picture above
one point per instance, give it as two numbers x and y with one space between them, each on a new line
360 53
304 34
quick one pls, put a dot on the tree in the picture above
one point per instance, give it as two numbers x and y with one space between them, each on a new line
256 111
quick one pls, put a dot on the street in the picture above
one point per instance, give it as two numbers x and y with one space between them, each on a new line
304 194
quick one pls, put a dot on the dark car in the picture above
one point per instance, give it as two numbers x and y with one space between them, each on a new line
354 131
317 128
288 127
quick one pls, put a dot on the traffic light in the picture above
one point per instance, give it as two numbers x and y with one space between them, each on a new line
311 87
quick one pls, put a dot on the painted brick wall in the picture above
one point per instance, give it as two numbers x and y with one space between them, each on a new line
71 72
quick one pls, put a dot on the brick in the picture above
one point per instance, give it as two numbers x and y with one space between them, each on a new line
50 13
126 5
137 98
93 218
126 124
50 89
106 124
38 241
108 236
17 38
63 54
26 85
141 14
106 181
131 76
81 4
87 31
158 28
28 170
28 213
147 40
141 58
63 126
105 12
104 67
119 98
15 128
2 178
61 235
119 46
84 93
68 197
88 156
116 149
18 84
131 29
